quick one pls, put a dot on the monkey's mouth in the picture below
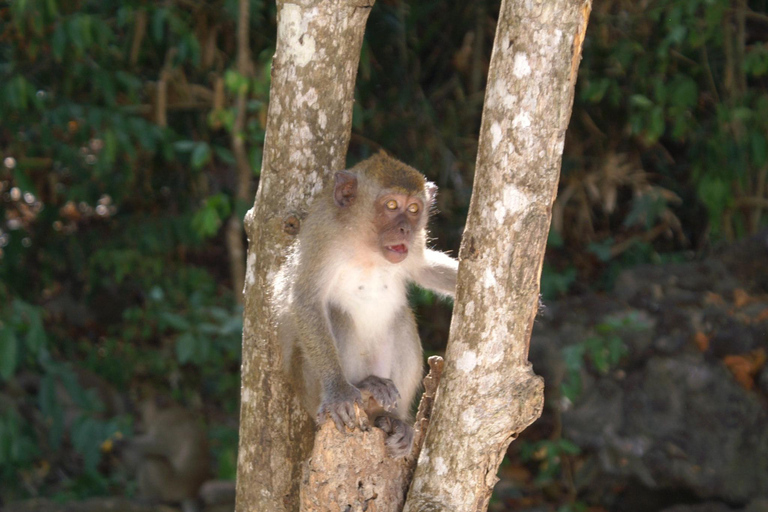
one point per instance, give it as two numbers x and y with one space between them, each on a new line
399 249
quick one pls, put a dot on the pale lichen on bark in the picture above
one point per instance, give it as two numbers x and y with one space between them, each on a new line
318 49
489 392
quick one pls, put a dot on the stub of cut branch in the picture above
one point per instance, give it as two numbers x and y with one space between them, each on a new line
431 381
352 471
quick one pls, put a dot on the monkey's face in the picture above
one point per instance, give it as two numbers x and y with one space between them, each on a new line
397 219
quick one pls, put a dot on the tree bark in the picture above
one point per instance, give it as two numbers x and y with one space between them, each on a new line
308 129
354 473
489 393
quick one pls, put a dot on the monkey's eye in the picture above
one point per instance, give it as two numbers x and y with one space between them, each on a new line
391 204
413 208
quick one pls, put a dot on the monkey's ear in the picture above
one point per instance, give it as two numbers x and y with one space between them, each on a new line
345 188
431 190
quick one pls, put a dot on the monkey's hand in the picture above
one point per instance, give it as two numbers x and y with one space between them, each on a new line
399 435
383 391
339 404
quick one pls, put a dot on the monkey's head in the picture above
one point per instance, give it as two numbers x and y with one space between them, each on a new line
396 197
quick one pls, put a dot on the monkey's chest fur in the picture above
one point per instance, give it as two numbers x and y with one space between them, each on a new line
364 303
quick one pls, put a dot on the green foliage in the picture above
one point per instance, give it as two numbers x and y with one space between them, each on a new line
22 337
548 453
224 445
602 351
68 410
665 73
111 260
556 284
210 217
18 444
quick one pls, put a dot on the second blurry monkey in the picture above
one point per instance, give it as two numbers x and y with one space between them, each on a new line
171 458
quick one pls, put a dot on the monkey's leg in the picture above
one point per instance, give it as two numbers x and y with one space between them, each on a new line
408 370
383 391
154 478
399 435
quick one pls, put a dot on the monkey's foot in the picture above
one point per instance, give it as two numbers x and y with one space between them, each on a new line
383 391
399 435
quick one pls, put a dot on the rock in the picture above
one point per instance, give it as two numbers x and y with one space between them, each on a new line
679 422
669 418
701 507
758 505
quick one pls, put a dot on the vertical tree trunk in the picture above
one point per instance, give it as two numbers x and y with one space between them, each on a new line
489 393
308 128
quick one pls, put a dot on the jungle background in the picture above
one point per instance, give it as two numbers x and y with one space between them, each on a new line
118 179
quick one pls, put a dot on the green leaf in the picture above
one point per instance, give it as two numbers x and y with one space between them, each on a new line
206 222
9 350
758 146
742 113
225 155
235 82
52 8
51 408
595 90
656 124
185 347
58 42
158 24
201 155
573 357
601 249
87 435
202 349
209 329
640 101
569 447
36 338
184 146
684 92
175 321
156 294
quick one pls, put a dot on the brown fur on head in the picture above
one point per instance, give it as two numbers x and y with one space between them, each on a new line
392 174
381 172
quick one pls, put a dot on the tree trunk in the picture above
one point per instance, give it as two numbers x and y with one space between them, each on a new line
489 393
308 128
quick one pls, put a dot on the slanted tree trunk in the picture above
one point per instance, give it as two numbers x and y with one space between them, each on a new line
308 128
489 393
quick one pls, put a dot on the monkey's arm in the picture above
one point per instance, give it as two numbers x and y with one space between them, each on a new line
321 356
438 273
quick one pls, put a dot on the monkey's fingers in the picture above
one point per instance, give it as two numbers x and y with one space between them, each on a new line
342 414
383 391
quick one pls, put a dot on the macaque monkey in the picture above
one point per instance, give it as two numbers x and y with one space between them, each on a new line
343 320
171 457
